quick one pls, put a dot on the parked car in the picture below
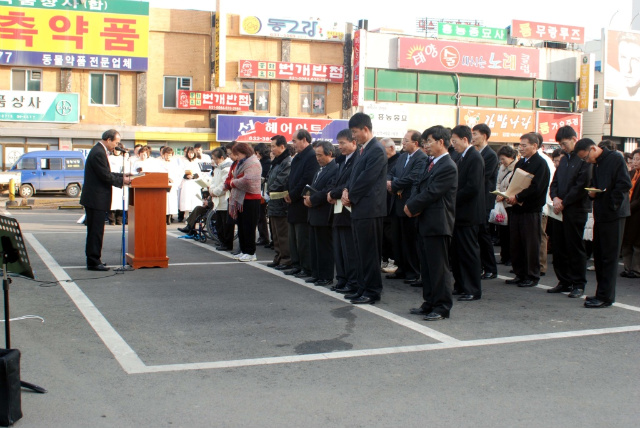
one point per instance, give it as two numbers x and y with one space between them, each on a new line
50 171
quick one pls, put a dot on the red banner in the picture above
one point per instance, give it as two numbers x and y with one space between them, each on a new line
203 100
355 97
547 32
507 126
549 123
260 129
275 70
467 58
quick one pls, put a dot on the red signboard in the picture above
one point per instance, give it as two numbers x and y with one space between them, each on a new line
275 70
547 32
549 123
260 129
507 126
203 100
355 98
467 58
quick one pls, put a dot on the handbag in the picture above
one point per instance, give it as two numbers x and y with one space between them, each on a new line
498 215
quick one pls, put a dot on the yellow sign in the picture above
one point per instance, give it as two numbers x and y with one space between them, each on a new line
586 82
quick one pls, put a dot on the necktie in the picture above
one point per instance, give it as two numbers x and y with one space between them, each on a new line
430 167
361 149
317 175
407 161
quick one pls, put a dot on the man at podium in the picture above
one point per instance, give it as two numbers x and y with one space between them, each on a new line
96 195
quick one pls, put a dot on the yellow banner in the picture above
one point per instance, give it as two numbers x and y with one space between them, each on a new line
73 32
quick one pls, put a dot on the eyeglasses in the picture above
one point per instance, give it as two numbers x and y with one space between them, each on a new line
585 157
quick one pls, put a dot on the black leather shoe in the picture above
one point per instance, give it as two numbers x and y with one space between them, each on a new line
489 275
595 303
302 274
352 296
576 292
324 282
468 298
416 283
395 276
434 316
100 268
560 288
284 267
411 281
346 290
268 245
310 280
273 264
185 229
293 271
420 311
261 242
364 300
337 286
516 280
527 283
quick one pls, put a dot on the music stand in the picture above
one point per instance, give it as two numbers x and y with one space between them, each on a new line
14 258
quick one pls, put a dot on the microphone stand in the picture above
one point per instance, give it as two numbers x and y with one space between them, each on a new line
124 266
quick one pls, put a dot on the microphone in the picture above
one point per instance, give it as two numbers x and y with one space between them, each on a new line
120 149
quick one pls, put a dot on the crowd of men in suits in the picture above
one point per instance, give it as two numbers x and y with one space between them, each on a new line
327 213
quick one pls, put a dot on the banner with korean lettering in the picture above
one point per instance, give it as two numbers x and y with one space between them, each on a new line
275 70
260 129
549 123
99 34
587 75
292 28
547 32
472 33
388 119
507 126
359 50
35 106
207 100
467 58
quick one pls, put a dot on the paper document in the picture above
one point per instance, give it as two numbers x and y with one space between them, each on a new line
278 195
594 190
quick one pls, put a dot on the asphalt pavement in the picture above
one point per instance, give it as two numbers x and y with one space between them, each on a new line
212 342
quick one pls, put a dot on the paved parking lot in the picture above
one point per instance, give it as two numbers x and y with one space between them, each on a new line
213 342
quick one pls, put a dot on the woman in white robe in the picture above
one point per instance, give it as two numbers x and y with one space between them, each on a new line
172 168
190 196
118 165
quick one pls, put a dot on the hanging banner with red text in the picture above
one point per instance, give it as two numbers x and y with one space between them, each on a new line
507 126
467 58
547 32
549 123
206 100
275 70
260 129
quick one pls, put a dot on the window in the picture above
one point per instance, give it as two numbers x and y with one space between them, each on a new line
26 80
312 98
104 89
172 85
26 163
596 92
53 163
259 93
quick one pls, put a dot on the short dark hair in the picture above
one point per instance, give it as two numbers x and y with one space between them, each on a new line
230 145
583 144
327 147
539 137
197 146
345 133
607 144
262 149
109 134
243 148
532 138
145 149
462 131
415 136
218 153
303 134
438 132
360 121
484 129
507 151
280 140
635 152
557 153
166 149
565 132
189 149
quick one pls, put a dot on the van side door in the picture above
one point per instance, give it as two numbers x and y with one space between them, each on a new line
51 173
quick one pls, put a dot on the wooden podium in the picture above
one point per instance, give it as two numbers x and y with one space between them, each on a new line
147 221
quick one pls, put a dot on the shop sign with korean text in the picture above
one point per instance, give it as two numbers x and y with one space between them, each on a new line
292 28
472 33
587 75
507 126
275 70
467 58
260 129
388 119
33 106
207 100
96 34
549 123
547 32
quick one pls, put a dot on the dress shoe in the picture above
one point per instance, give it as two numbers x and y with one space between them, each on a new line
576 292
595 303
416 283
489 275
236 252
395 276
338 285
185 229
292 271
507 263
527 283
284 267
324 282
420 311
222 248
560 288
302 274
261 241
310 280
633 274
273 264
468 298
346 290
434 316
411 280
364 300
352 296
100 268
516 280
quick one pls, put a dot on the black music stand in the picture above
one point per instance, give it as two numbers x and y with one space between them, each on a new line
14 258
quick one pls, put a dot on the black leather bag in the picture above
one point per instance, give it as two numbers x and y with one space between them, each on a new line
10 404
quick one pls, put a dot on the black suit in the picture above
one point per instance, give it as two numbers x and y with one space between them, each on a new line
403 178
487 255
470 213
344 247
96 199
320 242
303 168
387 229
434 200
367 189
